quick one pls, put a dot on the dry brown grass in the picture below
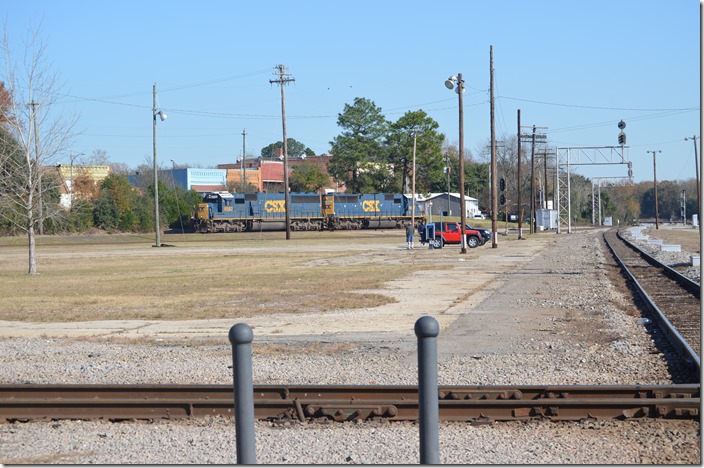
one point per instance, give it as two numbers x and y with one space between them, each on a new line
687 237
83 278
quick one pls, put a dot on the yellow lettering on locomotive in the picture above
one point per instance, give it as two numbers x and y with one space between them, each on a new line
227 208
275 206
370 205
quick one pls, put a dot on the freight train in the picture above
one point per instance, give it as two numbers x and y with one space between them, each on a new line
238 212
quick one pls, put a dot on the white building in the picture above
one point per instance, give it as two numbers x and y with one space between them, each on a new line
437 204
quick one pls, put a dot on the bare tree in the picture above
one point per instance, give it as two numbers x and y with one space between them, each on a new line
35 134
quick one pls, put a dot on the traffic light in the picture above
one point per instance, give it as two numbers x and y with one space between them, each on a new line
621 138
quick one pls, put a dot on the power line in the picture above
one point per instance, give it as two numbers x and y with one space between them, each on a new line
600 107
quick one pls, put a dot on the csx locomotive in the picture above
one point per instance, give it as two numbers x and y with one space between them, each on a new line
237 212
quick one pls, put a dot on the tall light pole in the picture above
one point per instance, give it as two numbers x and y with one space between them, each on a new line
459 89
696 170
162 116
655 187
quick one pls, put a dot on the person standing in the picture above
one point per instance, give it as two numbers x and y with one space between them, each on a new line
409 235
421 232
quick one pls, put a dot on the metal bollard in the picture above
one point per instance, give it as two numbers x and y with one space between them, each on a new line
241 339
427 330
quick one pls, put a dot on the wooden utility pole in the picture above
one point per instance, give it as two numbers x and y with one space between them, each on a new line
655 187
282 80
157 229
520 207
532 183
463 210
696 171
244 136
494 204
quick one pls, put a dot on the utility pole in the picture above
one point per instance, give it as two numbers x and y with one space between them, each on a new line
520 207
463 209
544 188
534 137
494 204
157 229
413 184
244 136
532 183
655 187
696 170
34 105
282 80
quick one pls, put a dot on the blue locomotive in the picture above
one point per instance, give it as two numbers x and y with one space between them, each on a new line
238 212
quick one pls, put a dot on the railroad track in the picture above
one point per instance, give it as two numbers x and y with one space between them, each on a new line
672 298
304 403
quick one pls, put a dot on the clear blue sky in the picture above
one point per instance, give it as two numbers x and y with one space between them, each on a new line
574 67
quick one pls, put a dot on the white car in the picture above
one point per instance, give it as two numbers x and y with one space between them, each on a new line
478 216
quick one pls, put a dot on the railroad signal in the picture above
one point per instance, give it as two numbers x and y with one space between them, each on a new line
502 199
621 138
502 184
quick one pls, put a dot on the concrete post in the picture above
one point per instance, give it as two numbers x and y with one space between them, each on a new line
241 339
427 330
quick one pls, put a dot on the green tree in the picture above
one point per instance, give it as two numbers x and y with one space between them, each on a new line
359 154
177 205
307 177
106 214
115 205
429 160
293 148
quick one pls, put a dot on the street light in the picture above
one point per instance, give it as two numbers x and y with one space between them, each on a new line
459 89
162 116
655 187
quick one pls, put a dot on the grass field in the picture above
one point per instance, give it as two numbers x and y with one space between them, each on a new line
122 277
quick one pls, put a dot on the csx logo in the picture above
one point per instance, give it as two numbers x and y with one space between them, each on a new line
370 205
275 206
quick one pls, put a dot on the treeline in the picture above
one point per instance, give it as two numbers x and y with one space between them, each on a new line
114 205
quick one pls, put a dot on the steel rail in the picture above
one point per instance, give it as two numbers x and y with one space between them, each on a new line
686 282
285 403
683 347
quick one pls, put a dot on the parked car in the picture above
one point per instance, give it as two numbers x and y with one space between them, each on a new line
450 233
486 233
478 216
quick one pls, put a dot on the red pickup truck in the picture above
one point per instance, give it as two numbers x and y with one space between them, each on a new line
450 233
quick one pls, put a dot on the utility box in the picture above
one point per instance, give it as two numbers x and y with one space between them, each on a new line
547 219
